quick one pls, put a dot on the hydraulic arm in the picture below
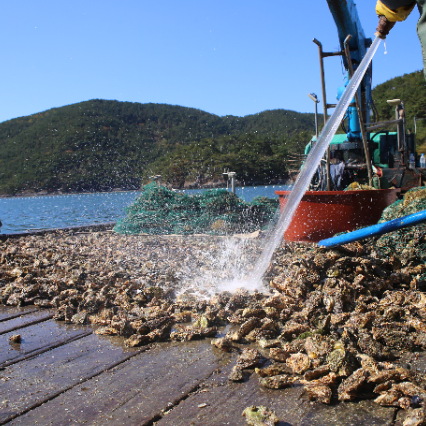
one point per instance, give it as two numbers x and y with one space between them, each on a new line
347 22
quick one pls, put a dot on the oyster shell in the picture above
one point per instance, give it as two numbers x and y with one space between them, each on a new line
260 416
299 363
278 382
348 389
279 354
236 374
317 346
249 358
273 370
16 338
321 393
222 343
317 372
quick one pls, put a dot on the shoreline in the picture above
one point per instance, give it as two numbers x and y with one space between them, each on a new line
25 194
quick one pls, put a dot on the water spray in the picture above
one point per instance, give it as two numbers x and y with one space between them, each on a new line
311 164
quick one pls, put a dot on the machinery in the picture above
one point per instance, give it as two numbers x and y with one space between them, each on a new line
364 153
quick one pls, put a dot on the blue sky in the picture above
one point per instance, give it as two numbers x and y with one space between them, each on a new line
221 56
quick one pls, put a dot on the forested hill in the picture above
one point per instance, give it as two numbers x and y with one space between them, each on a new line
101 145
411 89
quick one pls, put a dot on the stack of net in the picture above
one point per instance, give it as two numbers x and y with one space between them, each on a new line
159 210
407 242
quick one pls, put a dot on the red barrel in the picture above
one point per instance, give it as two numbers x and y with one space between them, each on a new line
321 214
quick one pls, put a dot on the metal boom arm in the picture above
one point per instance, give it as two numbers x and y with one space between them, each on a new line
347 21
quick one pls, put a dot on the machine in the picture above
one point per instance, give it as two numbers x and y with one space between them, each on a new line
365 153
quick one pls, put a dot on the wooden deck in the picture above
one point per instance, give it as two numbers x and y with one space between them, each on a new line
61 374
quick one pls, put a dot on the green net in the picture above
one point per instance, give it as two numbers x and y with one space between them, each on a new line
409 242
159 210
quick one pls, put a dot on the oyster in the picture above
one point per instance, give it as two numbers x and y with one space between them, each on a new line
338 309
317 373
394 374
415 417
260 416
328 379
348 389
298 363
279 354
293 329
388 399
409 389
222 343
137 340
249 358
186 334
278 382
316 346
273 370
16 338
249 326
236 374
321 393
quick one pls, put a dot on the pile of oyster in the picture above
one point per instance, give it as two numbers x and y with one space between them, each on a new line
339 322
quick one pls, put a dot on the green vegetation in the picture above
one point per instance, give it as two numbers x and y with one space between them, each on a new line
411 89
102 145
255 159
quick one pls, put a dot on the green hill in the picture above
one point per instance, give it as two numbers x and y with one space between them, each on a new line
102 145
411 89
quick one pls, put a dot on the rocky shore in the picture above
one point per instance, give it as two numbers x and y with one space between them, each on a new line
344 323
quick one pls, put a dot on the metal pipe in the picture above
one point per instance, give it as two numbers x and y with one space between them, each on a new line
230 175
374 230
399 131
324 99
382 124
359 110
314 97
404 139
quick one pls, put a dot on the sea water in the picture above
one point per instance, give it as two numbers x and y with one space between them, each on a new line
21 214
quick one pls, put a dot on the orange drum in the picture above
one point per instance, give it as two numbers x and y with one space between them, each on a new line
322 214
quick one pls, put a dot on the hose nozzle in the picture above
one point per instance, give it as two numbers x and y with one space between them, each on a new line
384 27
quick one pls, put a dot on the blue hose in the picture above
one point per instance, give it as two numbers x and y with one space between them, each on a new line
372 231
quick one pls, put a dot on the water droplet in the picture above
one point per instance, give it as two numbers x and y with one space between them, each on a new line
386 50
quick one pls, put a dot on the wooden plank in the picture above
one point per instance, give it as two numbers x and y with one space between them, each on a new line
25 321
7 313
32 382
227 400
36 339
365 412
135 392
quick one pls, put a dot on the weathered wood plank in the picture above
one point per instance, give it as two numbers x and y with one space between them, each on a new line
36 339
32 382
365 412
7 313
227 400
24 321
133 393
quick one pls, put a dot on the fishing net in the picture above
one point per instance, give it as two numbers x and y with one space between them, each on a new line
408 243
159 210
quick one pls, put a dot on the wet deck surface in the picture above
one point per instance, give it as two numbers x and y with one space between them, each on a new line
61 374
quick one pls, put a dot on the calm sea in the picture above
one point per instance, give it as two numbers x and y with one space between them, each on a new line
22 214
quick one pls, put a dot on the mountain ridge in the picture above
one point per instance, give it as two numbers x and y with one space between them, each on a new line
104 145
